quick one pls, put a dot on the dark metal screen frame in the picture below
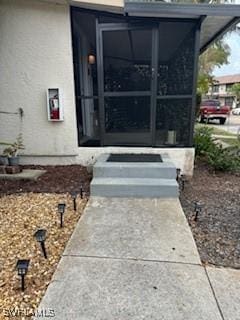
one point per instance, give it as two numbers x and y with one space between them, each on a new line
108 27
100 28
152 93
195 77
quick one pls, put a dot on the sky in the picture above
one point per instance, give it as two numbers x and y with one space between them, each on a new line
233 40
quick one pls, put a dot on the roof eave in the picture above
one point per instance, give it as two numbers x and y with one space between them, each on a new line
219 34
181 10
188 11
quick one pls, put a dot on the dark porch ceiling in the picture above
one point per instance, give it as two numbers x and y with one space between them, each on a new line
216 18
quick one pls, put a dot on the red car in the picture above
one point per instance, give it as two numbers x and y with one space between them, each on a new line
211 109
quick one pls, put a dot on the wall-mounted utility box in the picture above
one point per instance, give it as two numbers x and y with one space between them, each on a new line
54 104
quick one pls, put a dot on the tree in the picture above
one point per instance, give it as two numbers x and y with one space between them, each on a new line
204 81
236 91
215 56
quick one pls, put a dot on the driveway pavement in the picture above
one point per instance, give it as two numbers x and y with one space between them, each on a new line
232 124
136 259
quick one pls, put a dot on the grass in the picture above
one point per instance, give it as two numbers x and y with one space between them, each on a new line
228 137
231 141
216 130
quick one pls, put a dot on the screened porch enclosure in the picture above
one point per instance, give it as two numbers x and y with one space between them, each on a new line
140 88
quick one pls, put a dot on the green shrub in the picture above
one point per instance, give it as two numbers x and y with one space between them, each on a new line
235 150
221 159
203 140
234 153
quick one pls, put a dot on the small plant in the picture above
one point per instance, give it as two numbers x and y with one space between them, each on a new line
13 150
203 140
221 159
4 143
234 153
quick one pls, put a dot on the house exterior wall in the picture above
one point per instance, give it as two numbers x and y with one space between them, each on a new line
36 54
220 90
113 3
222 94
182 158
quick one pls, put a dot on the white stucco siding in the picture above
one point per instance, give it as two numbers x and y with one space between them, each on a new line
182 158
108 5
36 54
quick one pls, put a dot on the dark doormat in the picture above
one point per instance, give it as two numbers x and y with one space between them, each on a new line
91 143
129 157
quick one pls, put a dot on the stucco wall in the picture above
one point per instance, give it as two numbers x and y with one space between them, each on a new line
36 54
98 4
182 158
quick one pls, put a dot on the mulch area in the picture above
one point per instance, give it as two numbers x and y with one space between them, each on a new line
57 179
217 231
25 207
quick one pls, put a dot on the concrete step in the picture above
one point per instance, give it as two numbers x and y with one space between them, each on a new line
165 170
134 187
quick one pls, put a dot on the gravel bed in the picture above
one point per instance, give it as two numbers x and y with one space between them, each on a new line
25 207
21 216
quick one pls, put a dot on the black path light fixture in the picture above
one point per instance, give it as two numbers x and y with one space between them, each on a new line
178 171
40 236
61 210
22 269
74 197
182 181
81 192
198 206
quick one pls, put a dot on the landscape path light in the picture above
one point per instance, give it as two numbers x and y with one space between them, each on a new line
198 206
182 182
40 236
22 269
74 197
61 210
178 170
81 192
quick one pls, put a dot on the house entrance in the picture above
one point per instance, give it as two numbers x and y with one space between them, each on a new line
135 79
126 70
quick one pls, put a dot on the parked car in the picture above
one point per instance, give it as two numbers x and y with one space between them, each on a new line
236 111
212 109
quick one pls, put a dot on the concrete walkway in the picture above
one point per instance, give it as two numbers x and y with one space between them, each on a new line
136 259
